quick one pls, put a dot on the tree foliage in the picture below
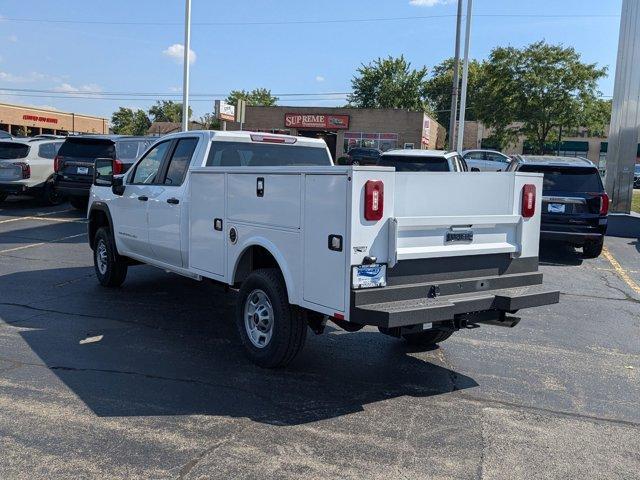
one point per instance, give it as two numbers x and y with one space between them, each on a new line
125 121
536 90
167 111
438 89
389 83
256 97
209 122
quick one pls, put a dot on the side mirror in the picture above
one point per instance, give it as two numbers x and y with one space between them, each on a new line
103 172
475 169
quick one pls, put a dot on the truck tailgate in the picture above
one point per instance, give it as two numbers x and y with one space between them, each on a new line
456 214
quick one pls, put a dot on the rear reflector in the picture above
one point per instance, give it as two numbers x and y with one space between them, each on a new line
373 200
528 200
604 204
25 167
268 139
118 167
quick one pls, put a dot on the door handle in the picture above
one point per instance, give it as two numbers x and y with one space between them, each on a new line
143 198
173 201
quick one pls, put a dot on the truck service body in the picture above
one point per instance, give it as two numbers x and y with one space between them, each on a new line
412 253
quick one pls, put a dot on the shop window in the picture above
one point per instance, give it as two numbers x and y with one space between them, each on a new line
381 141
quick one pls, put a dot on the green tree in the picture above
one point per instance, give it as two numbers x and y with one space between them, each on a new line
438 90
209 122
125 121
389 83
534 91
167 111
256 97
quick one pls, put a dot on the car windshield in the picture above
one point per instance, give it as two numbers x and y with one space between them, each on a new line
10 150
88 148
567 179
245 154
414 163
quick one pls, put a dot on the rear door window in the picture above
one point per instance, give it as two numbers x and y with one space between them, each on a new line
180 160
249 154
567 179
414 163
88 148
10 150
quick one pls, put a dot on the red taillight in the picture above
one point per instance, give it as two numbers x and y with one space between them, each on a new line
57 163
528 200
118 167
25 167
373 200
604 204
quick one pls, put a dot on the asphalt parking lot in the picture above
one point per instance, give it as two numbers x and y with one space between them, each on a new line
149 381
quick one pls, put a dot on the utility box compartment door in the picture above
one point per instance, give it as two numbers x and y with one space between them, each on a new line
325 215
206 223
265 199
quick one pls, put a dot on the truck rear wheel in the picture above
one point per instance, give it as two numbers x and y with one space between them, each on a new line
271 330
592 248
110 268
428 337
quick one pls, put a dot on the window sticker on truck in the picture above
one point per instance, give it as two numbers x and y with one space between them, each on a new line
369 276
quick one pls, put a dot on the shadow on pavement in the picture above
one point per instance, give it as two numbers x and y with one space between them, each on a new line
560 254
165 345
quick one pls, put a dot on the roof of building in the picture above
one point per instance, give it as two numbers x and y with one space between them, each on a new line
553 160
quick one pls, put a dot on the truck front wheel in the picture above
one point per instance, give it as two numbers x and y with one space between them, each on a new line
271 330
110 268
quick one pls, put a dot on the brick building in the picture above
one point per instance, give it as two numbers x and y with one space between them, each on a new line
344 128
22 120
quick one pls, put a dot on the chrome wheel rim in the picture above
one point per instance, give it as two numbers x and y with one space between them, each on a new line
101 257
258 318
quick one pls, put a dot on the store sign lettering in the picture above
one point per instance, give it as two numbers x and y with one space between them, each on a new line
327 122
36 118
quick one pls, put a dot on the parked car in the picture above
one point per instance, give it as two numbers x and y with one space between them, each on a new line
75 161
636 176
26 168
486 160
5 135
423 161
304 240
574 203
363 156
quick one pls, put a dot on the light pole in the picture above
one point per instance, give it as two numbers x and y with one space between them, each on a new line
456 81
465 77
185 78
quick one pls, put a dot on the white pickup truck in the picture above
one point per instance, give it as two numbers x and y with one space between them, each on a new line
418 255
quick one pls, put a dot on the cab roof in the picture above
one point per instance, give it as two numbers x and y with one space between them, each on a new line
419 153
246 136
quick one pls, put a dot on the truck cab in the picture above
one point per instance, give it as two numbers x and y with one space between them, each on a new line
305 241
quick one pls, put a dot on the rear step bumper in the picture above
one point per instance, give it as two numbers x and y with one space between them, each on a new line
413 311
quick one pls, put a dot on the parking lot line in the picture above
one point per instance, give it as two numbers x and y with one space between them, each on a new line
39 216
14 249
621 271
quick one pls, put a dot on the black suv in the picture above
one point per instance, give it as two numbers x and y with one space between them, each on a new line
363 156
77 155
574 203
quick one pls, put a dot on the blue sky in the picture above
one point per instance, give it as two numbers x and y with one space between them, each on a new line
135 58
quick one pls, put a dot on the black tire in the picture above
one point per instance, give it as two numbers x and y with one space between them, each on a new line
286 327
50 196
79 203
592 248
3 196
428 337
113 271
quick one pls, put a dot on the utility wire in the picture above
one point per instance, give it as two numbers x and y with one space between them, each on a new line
159 94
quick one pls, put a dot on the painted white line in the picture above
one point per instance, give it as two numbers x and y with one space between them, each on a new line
39 216
31 245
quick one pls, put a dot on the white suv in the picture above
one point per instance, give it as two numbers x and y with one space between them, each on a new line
26 168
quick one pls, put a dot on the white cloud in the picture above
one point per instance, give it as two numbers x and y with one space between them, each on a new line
12 38
176 52
429 3
319 78
30 77
88 88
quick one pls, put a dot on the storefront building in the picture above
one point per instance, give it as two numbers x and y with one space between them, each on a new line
345 128
21 120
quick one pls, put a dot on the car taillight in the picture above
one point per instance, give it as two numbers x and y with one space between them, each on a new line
528 200
271 139
57 163
25 167
604 203
118 167
373 199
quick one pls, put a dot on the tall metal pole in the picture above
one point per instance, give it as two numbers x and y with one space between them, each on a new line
465 77
185 78
456 80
